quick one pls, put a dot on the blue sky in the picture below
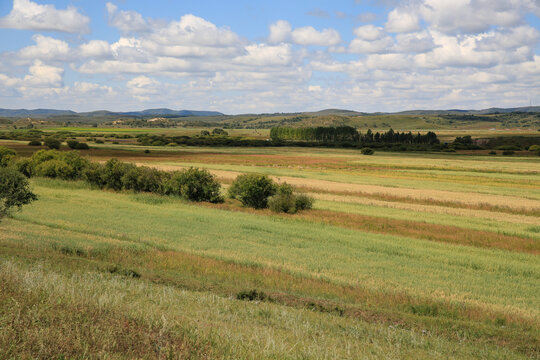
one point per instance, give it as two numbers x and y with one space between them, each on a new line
260 56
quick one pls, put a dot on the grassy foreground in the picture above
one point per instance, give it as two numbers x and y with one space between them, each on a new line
89 273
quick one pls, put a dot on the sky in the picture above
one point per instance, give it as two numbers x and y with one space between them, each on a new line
250 56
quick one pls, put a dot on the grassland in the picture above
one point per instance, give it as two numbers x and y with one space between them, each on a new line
404 256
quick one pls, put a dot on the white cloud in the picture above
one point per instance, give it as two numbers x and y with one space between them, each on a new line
471 16
369 32
95 49
418 42
126 21
32 16
280 31
46 48
309 36
267 55
402 20
42 75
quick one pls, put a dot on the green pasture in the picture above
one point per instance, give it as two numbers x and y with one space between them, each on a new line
496 279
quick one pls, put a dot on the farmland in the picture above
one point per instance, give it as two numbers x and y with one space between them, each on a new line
404 255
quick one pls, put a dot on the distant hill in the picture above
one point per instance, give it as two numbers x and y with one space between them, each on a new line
43 113
527 109
34 113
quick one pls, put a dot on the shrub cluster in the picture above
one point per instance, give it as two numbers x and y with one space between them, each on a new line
259 191
52 143
285 200
191 184
74 144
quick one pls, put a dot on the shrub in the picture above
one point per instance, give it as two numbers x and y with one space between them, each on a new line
93 174
14 191
6 156
24 166
113 172
52 143
303 202
71 159
287 201
82 146
72 144
143 179
34 143
508 152
252 190
367 151
55 169
284 200
218 131
99 141
147 151
194 185
252 295
492 152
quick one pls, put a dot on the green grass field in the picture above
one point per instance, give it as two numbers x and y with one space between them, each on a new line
414 256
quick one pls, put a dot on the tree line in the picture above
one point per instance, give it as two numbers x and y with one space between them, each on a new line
342 134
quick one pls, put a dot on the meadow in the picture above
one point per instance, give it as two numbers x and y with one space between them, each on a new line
404 255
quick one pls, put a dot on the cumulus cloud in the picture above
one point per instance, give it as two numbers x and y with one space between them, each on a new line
309 36
126 21
46 48
95 49
402 21
428 53
471 16
29 15
280 31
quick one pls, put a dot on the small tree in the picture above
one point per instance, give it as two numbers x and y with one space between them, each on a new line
252 190
195 185
6 155
52 143
367 151
14 191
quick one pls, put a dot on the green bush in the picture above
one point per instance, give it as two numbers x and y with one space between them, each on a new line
492 152
24 166
367 151
113 172
34 143
303 202
82 146
508 152
252 190
194 185
93 174
72 144
284 200
55 169
99 141
52 143
287 201
14 191
6 156
71 159
143 179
